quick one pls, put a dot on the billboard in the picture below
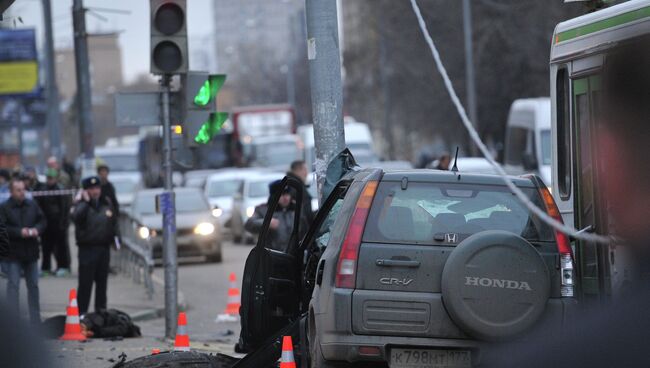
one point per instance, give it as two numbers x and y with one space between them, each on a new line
18 63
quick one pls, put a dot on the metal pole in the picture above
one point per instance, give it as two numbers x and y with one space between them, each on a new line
84 102
385 88
53 116
469 69
169 220
325 80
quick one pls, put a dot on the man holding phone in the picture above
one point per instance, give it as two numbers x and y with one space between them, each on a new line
96 228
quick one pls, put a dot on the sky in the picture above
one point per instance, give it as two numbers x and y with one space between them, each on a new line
133 28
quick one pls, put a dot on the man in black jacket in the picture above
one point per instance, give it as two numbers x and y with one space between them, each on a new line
298 170
281 225
96 228
108 190
25 222
55 238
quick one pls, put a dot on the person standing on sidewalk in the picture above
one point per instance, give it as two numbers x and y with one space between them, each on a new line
25 222
55 238
108 190
96 228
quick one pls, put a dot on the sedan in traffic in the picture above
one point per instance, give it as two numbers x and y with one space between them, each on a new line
198 232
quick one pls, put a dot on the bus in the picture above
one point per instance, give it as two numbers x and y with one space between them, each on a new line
579 51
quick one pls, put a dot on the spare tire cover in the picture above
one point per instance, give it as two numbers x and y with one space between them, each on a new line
495 285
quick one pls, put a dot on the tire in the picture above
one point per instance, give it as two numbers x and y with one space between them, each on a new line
495 285
189 359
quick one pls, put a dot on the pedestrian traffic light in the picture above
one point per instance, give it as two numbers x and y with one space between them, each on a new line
168 47
201 121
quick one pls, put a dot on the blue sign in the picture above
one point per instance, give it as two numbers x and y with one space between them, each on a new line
168 211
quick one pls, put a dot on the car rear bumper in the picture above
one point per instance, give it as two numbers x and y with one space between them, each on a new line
339 343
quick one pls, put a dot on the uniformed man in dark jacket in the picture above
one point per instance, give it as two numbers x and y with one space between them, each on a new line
108 190
55 238
96 229
25 222
281 225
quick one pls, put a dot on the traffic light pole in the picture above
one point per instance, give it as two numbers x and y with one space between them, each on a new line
169 218
325 80
84 102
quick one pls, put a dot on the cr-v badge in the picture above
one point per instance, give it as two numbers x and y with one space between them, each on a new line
395 281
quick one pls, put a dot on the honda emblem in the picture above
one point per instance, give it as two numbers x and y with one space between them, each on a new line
451 238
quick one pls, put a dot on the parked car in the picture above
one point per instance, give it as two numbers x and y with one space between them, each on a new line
413 267
198 233
220 188
253 192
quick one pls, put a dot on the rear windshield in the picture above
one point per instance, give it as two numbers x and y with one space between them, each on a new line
425 213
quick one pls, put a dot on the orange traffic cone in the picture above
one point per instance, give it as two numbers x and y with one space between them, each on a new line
182 342
287 360
72 330
234 299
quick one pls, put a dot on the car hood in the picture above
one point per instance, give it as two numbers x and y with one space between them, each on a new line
184 220
225 203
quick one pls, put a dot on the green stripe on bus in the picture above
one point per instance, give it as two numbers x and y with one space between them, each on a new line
603 24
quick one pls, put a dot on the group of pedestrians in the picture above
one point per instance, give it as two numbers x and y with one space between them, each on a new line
35 218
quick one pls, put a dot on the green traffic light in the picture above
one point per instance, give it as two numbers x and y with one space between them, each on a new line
211 127
203 97
209 89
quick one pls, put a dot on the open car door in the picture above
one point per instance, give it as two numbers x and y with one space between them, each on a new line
271 283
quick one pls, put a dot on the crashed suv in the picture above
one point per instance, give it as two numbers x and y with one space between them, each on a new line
412 268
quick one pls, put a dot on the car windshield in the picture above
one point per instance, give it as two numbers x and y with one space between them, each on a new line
259 188
223 188
425 212
124 186
120 162
546 146
186 201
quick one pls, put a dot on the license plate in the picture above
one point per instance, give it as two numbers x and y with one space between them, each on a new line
421 358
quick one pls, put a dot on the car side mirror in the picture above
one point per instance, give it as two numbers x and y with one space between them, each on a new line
529 161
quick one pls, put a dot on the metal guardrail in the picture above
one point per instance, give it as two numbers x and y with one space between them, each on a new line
135 256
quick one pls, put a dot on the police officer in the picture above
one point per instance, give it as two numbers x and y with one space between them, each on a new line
96 228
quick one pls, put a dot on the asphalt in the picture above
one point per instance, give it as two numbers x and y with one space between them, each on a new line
203 291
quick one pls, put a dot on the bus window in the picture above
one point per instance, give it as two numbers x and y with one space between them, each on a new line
517 143
563 135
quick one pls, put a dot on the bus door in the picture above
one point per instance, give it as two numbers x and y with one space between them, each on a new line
592 259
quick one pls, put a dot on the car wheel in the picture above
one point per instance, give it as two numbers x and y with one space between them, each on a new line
316 356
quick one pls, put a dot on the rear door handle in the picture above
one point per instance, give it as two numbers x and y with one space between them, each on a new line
397 263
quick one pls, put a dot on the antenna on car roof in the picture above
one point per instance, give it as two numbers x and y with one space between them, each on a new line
455 167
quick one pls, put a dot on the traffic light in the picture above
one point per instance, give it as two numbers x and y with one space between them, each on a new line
168 47
201 121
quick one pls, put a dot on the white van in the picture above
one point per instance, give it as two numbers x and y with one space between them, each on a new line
357 138
528 138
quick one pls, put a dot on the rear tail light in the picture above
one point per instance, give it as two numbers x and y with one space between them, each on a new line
347 265
563 245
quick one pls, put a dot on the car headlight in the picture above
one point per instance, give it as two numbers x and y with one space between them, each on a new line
143 232
204 228
217 212
250 211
